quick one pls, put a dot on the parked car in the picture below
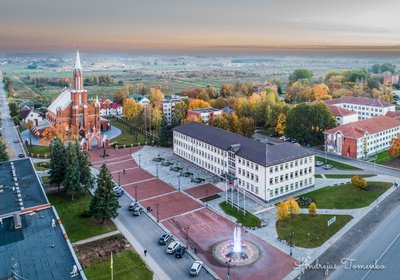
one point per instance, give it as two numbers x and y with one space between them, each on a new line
132 206
164 238
180 252
195 268
21 155
118 191
137 211
16 141
319 163
328 166
172 247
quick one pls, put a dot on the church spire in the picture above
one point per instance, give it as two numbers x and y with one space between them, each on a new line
78 61
78 75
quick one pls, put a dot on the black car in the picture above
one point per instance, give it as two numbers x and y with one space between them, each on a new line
21 155
164 238
180 252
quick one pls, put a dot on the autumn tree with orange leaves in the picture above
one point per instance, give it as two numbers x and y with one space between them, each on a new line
198 104
394 150
59 131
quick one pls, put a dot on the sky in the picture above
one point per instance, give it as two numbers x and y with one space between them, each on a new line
196 26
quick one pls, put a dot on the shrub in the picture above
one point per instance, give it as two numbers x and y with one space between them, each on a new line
359 182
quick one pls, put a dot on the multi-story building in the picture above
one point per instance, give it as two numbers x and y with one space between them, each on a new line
365 107
267 172
391 80
363 138
109 108
205 114
342 115
168 105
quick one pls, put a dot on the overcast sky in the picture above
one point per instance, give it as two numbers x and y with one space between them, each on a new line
205 25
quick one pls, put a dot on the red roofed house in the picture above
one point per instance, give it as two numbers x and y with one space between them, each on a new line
205 114
391 80
343 116
395 115
27 115
362 138
109 108
364 106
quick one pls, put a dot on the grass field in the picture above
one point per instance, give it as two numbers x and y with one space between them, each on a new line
318 176
127 265
46 180
248 220
70 211
347 196
336 164
383 157
316 226
347 176
41 165
38 151
126 137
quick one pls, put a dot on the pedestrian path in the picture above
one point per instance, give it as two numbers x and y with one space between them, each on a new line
97 237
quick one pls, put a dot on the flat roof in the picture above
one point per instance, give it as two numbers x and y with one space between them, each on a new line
205 110
36 250
24 192
246 148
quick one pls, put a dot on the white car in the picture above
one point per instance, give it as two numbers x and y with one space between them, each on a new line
172 247
319 163
196 267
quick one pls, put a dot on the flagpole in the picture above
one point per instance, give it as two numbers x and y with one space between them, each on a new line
112 266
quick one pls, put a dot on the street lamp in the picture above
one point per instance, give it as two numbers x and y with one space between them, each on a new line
291 242
228 273
308 240
139 155
135 186
179 182
187 236
157 170
119 178
158 212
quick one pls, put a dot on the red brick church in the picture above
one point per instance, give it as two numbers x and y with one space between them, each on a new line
72 109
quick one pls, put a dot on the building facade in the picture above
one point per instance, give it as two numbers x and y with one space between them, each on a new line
342 115
168 105
109 108
267 172
206 114
362 139
365 107
30 115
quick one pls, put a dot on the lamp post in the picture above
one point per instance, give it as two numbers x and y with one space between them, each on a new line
119 178
179 182
158 212
228 273
157 170
136 192
308 240
130 149
187 235
291 242
139 155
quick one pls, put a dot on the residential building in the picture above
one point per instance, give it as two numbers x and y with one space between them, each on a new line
343 115
362 139
168 105
205 114
391 80
267 172
365 107
27 115
109 108
144 101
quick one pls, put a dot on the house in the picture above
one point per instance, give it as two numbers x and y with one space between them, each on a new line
343 115
206 114
391 80
109 108
140 99
26 104
27 115
267 172
365 107
363 138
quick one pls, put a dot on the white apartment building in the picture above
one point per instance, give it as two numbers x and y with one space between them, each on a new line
365 107
205 114
267 172
168 105
342 115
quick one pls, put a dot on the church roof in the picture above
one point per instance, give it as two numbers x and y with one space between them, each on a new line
62 101
78 61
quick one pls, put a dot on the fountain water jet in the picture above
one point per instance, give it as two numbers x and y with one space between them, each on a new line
237 240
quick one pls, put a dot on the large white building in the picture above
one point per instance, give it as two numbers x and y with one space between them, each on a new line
343 116
267 172
364 106
168 105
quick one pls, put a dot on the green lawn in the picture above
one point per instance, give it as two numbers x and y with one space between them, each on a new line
126 137
347 196
248 220
318 176
336 164
38 151
70 211
303 224
127 265
347 176
41 165
46 180
383 157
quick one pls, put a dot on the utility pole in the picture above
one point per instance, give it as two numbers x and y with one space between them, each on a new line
158 212
136 192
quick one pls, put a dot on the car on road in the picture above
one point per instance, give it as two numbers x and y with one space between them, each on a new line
319 163
132 206
328 166
137 211
172 247
180 252
21 155
16 141
164 238
195 268
118 191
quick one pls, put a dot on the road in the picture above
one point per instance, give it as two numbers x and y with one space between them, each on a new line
383 246
8 129
147 232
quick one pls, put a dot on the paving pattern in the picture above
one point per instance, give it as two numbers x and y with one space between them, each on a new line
203 191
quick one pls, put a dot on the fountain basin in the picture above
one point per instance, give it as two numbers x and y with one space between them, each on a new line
226 251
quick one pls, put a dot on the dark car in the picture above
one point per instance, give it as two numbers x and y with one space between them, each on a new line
132 206
180 252
21 155
164 238
137 211
16 141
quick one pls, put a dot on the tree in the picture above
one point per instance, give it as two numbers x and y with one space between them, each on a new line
181 109
3 151
321 92
280 127
373 83
387 67
104 204
57 163
198 104
131 109
394 150
59 131
359 182
299 74
293 206
226 90
375 68
29 125
86 178
156 95
247 126
165 135
191 118
282 210
71 181
156 117
312 209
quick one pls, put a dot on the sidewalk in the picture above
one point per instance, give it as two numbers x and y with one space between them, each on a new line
97 237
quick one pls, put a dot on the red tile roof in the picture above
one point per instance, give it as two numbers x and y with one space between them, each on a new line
339 111
358 129
395 115
359 101
24 113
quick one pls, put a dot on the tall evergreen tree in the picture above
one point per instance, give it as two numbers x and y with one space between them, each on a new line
86 177
104 204
72 173
165 136
57 163
3 151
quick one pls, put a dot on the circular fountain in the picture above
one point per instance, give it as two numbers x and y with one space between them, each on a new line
236 252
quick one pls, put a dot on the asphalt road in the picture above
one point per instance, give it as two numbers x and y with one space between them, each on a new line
382 247
147 233
8 129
